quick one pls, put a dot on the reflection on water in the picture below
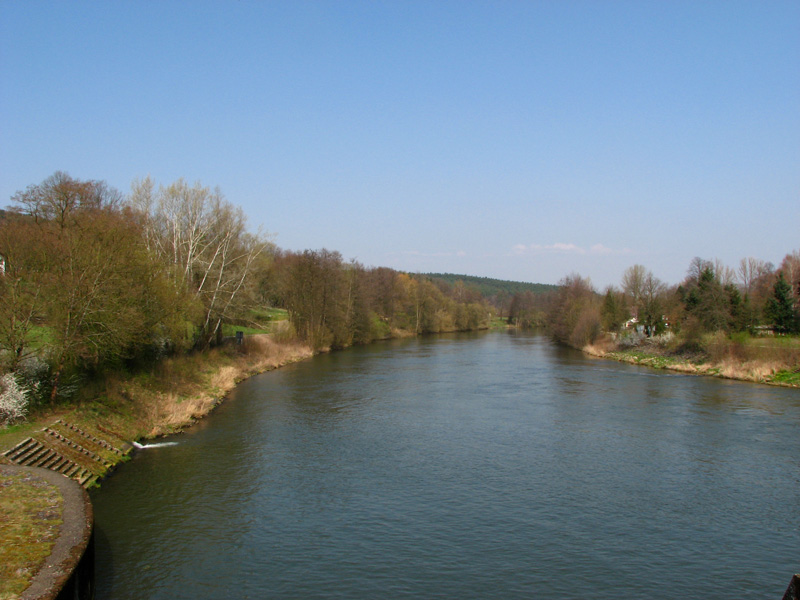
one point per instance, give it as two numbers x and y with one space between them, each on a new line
464 466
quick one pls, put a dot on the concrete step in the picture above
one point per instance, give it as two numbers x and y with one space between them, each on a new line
49 460
22 449
86 478
66 449
33 456
77 447
93 438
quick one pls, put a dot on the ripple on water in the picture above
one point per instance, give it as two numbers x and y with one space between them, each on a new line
485 466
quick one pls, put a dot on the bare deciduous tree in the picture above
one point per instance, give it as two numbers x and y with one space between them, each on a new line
204 238
790 266
749 270
633 284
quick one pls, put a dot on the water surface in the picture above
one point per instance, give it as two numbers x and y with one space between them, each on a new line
464 466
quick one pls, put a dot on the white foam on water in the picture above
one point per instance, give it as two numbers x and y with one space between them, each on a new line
157 445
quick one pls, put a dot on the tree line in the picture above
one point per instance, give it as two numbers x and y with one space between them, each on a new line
756 297
92 278
499 291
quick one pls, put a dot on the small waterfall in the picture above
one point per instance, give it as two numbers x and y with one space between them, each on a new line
139 446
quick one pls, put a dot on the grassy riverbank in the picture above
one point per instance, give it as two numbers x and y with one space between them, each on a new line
177 391
173 393
774 361
167 398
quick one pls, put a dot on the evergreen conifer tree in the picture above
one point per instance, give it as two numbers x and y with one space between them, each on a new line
780 307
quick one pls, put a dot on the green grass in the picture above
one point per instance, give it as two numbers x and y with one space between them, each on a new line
40 336
787 377
273 314
259 320
230 330
643 358
498 323
14 434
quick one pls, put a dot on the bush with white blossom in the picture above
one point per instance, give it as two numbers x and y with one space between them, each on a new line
13 399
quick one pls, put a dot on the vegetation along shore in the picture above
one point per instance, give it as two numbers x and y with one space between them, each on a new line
129 317
119 311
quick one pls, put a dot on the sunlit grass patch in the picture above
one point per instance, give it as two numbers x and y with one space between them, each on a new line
40 336
498 323
787 377
256 321
229 330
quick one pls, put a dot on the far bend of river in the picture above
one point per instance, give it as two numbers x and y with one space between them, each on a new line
491 465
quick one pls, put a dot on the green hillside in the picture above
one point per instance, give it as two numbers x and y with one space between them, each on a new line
489 287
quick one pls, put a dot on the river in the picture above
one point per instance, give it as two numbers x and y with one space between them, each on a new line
487 465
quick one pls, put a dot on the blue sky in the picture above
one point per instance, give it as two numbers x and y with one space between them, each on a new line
521 140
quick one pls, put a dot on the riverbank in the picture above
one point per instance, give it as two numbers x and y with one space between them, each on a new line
778 366
172 395
119 407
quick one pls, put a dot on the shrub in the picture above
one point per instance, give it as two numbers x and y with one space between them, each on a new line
630 339
587 329
718 346
283 331
692 334
663 340
13 399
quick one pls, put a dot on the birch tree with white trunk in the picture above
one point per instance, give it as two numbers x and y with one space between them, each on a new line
205 239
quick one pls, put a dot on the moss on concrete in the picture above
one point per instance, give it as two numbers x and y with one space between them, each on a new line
32 512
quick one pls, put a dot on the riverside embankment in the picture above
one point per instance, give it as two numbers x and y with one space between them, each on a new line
768 363
95 433
48 547
86 441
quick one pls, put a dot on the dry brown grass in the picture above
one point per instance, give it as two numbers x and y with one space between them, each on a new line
180 390
402 333
174 394
601 346
264 353
737 357
754 370
594 350
195 389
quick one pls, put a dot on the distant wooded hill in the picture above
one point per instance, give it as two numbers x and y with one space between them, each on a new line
489 287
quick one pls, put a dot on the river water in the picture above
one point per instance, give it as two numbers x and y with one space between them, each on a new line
492 465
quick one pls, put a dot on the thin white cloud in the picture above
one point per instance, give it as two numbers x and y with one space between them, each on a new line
458 253
600 249
564 248
557 248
